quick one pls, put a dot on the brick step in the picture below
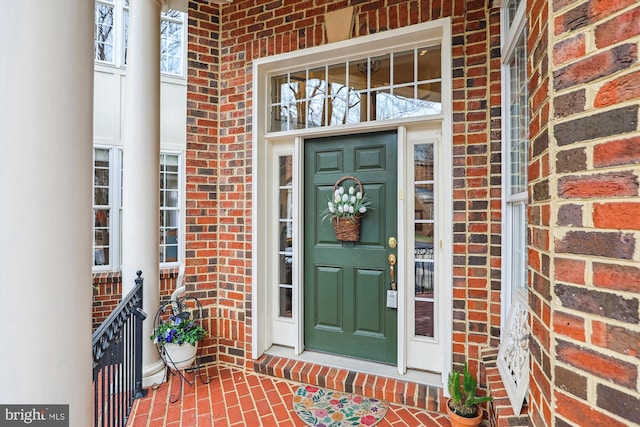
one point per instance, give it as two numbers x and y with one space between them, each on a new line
393 390
500 412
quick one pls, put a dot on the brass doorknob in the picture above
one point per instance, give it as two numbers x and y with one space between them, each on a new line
392 259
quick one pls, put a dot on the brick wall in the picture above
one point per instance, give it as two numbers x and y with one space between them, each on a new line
539 175
584 214
107 292
223 43
203 179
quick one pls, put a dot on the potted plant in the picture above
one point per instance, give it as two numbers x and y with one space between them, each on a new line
345 207
463 405
177 338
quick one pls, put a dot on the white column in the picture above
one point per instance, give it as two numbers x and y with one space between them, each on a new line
141 173
46 127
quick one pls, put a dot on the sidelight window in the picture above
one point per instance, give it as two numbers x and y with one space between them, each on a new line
424 297
285 229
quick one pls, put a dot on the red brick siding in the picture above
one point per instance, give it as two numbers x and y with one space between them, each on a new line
107 292
594 199
202 168
539 171
223 42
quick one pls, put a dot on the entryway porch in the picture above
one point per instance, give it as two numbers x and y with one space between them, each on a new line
236 397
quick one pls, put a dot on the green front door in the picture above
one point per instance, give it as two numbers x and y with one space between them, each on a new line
345 283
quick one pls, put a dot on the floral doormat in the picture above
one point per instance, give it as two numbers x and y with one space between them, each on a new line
320 407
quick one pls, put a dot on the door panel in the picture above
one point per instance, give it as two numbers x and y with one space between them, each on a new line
345 283
328 297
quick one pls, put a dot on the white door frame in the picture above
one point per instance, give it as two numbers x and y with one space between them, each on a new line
262 326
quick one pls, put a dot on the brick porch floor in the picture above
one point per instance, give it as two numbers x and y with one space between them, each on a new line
237 398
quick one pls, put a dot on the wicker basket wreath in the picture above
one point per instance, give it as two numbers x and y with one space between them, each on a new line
345 208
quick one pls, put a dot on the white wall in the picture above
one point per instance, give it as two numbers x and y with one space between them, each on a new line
109 111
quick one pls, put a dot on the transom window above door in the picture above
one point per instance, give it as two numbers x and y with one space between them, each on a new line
389 86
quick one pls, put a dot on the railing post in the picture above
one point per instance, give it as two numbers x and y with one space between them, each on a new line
140 316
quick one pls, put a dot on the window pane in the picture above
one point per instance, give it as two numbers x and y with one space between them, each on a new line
286 298
285 230
518 118
512 8
519 250
104 33
101 206
338 94
126 34
430 97
316 93
424 285
169 207
424 201
101 196
429 60
424 299
380 71
357 107
286 207
358 75
286 170
424 318
171 44
383 105
423 162
278 86
403 68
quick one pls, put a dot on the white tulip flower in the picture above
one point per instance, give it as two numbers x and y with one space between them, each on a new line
351 210
353 199
345 198
359 195
340 209
352 190
362 209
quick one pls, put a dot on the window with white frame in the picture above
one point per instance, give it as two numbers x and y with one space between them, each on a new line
107 208
102 206
382 87
285 236
513 358
112 30
169 207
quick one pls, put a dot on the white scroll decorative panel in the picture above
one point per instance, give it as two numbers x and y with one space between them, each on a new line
513 356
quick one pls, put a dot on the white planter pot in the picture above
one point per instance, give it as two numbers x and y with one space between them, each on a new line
179 356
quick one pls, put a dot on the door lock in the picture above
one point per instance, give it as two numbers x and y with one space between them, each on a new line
393 242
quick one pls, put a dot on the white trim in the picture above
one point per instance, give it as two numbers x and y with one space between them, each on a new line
509 40
401 251
513 356
298 230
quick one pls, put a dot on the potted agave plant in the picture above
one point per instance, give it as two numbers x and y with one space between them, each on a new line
464 406
177 338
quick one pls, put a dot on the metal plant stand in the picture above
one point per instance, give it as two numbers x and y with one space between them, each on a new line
186 307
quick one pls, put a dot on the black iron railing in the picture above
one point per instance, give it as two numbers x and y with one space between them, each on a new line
117 361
